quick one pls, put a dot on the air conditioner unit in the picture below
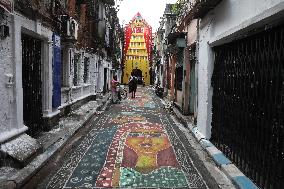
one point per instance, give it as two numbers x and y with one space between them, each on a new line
72 26
69 26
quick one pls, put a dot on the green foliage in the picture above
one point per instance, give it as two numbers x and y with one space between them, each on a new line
177 7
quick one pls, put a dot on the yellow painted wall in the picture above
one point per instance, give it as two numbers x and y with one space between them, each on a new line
141 64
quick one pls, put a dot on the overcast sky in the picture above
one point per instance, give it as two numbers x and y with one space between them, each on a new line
150 10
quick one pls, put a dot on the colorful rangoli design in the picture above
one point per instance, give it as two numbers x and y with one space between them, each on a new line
120 119
140 154
131 146
141 101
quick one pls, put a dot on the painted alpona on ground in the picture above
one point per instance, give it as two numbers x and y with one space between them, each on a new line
132 145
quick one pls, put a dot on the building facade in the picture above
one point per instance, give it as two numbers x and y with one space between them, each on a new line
138 50
231 79
240 95
56 56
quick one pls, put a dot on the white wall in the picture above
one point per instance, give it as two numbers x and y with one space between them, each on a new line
231 16
229 20
205 69
7 124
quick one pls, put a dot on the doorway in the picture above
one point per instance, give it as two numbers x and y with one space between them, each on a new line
31 82
138 74
105 81
192 88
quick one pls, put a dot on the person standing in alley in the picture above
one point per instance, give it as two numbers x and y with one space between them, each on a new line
132 83
114 83
134 86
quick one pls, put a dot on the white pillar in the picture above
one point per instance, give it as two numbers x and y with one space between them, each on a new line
71 65
93 73
47 83
205 70
66 64
81 68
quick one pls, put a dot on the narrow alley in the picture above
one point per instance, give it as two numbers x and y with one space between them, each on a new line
209 82
134 144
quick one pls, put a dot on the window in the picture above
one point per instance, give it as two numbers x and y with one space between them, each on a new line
76 69
62 69
86 69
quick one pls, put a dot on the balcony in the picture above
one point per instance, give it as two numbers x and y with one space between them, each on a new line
41 8
194 9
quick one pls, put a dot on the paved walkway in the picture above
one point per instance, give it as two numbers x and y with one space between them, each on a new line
134 144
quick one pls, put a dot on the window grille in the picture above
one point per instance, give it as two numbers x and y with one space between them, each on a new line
86 69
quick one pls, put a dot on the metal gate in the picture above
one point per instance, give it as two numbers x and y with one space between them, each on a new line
248 105
31 78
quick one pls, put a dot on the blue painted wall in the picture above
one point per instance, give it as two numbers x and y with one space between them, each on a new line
56 96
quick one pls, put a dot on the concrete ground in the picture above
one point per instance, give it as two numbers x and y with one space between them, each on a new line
134 144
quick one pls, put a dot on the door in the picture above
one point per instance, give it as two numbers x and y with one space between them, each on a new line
192 88
179 76
248 105
31 82
138 74
105 80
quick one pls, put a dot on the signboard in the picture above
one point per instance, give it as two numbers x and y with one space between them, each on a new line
7 5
